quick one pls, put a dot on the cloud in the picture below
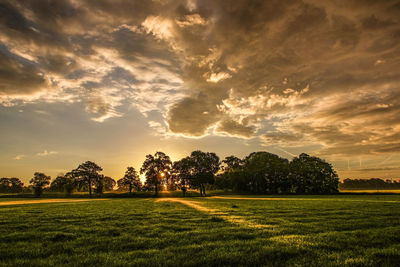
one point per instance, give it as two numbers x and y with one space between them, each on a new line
159 27
73 54
216 77
191 20
283 54
284 72
345 124
158 129
234 128
19 75
46 153
192 116
18 157
279 137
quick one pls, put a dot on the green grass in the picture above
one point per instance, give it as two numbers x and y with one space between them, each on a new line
111 194
343 230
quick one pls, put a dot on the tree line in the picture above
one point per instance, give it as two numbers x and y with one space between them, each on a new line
370 184
259 172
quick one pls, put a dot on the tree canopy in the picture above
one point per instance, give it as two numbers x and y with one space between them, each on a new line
109 183
130 181
39 181
156 168
263 172
182 173
313 175
204 165
88 173
11 185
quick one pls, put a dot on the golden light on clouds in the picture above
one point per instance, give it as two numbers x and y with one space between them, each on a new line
119 79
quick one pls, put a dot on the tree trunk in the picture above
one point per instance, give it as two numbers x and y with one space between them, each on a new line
156 194
202 190
130 189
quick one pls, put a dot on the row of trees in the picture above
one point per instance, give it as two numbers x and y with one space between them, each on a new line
11 185
259 172
263 172
371 184
194 171
86 177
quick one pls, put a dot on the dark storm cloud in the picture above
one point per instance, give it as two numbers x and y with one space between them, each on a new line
192 116
18 75
233 127
278 137
317 72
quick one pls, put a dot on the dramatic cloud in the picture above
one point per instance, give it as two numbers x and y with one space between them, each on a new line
287 73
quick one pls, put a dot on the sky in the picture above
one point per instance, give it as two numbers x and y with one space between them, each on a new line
113 81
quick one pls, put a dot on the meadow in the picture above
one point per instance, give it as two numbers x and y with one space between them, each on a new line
336 230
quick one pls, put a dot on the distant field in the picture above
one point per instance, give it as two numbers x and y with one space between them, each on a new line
344 230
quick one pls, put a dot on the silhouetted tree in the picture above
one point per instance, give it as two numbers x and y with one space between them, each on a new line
57 184
109 183
99 184
182 173
130 180
11 185
64 183
39 181
263 172
16 185
204 166
88 173
231 162
267 172
156 168
235 178
4 185
313 175
231 178
70 183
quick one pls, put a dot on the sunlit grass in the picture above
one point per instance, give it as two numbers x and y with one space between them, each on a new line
351 231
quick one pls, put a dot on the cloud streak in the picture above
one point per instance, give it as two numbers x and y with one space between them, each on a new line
18 157
46 153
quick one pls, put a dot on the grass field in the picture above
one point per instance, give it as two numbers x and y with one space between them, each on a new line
350 230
